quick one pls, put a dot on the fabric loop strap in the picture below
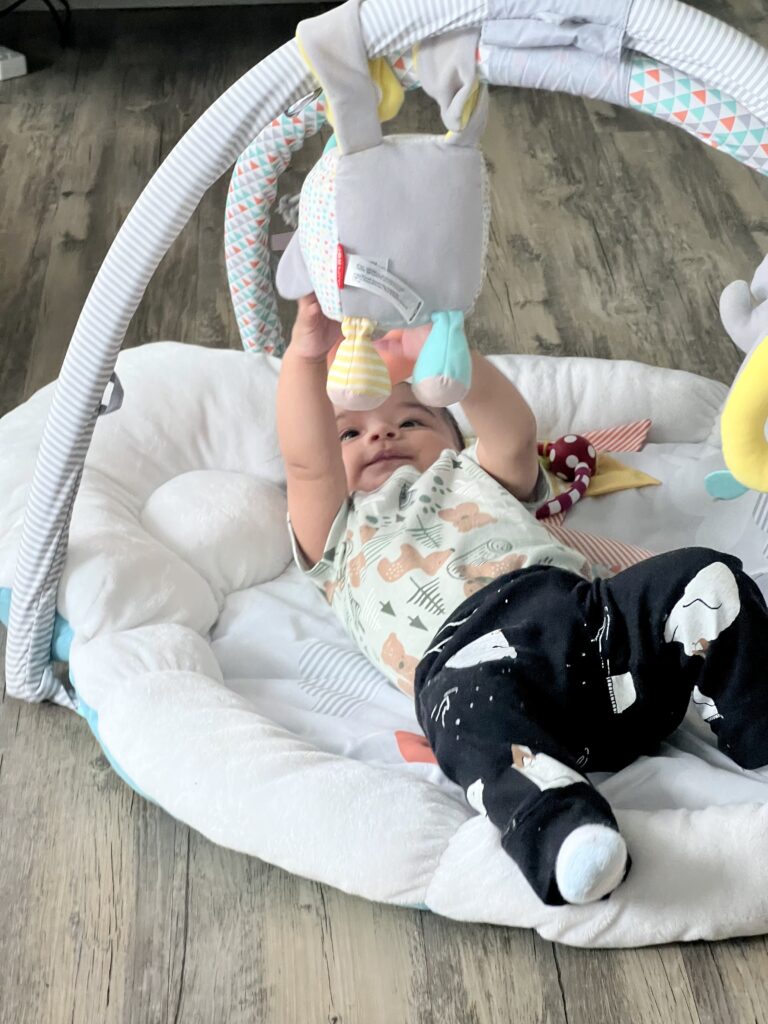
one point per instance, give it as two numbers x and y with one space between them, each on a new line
113 398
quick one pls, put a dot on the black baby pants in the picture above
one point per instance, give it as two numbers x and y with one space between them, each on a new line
543 676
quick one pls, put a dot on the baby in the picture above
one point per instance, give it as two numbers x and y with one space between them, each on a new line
526 672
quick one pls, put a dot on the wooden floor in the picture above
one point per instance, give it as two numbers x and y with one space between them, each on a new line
612 236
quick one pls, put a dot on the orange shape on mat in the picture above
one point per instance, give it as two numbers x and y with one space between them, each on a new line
414 748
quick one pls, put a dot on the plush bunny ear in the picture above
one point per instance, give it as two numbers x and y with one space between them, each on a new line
744 309
446 66
292 279
736 313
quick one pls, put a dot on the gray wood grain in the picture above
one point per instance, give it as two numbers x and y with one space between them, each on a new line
613 235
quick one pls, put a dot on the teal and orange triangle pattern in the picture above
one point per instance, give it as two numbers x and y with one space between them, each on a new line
252 193
710 114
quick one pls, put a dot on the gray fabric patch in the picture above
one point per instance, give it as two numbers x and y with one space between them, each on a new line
418 202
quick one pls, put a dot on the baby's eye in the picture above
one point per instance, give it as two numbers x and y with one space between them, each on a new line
345 435
411 423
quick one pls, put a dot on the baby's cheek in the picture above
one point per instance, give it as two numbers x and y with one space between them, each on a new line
432 451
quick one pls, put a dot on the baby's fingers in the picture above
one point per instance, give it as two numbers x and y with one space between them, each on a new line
413 340
309 307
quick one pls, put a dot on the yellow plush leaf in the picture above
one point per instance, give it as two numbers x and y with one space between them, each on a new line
610 475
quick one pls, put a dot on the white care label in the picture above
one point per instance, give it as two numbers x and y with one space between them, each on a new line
373 276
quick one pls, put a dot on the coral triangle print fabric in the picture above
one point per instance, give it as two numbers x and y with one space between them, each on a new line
711 115
399 559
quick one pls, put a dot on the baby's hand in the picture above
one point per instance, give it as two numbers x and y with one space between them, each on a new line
404 343
313 335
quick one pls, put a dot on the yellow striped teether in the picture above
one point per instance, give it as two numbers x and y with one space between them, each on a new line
358 377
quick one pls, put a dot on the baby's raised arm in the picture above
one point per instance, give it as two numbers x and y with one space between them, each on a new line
505 428
306 429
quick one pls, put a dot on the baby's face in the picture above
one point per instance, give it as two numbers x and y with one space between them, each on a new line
400 432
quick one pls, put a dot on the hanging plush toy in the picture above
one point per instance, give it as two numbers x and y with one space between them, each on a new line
570 458
744 312
392 229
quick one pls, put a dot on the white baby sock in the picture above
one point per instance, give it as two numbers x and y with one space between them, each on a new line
590 863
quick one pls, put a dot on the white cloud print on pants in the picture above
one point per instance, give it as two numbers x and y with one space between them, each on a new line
710 603
489 647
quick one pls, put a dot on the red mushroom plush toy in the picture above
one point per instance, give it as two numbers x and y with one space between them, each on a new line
571 458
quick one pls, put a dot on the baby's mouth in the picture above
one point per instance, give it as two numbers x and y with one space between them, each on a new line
387 456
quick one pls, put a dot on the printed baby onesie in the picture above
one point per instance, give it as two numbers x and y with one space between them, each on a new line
399 559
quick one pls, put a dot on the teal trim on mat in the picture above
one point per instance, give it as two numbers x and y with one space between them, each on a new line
62 631
60 648
62 639
92 718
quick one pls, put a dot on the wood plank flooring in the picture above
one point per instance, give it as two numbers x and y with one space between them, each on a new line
612 236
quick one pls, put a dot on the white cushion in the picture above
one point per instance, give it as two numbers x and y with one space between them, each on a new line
191 646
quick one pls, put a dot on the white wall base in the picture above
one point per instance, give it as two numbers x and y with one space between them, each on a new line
12 64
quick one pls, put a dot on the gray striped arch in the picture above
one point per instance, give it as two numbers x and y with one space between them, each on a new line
664 29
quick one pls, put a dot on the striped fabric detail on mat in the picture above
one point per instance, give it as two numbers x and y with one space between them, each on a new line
340 680
600 551
628 437
760 512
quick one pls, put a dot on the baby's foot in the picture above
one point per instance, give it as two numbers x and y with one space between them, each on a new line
590 863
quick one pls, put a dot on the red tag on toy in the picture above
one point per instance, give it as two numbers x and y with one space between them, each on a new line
341 266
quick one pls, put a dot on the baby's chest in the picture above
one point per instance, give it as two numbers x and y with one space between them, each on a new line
444 533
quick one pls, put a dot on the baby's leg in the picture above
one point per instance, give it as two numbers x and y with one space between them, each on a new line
721 624
698 624
556 827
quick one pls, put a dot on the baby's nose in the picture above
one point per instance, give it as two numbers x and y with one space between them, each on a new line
378 432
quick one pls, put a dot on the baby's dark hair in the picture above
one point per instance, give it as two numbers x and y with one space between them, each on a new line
450 419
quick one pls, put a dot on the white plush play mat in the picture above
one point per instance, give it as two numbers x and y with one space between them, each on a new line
143 536
222 687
